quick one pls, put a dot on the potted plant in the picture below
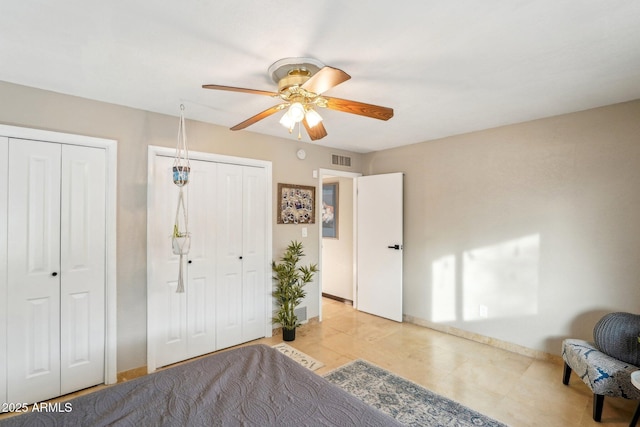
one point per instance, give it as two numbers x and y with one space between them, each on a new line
180 241
289 291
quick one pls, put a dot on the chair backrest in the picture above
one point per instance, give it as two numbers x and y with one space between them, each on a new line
616 335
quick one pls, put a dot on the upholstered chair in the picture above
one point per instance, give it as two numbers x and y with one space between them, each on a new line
606 364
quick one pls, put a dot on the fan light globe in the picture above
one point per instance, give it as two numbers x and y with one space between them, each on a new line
296 112
313 118
286 121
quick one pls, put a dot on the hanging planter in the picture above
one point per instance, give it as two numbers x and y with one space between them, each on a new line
181 175
180 243
181 238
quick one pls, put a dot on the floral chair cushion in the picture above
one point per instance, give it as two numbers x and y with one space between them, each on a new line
603 374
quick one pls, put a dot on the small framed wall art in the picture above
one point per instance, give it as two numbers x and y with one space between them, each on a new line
330 210
296 204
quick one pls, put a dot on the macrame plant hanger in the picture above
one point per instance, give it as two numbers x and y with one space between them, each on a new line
181 239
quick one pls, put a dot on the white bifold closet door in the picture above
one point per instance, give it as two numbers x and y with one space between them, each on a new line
55 269
224 299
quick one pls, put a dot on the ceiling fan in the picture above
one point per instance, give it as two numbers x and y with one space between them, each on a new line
301 85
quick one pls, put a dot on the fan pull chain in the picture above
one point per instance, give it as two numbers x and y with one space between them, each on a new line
299 131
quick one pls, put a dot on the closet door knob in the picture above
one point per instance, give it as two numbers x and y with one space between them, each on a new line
240 257
54 274
189 261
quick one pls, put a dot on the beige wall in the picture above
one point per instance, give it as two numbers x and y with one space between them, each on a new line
337 254
569 184
135 130
538 222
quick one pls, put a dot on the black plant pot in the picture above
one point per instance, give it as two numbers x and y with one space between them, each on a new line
288 334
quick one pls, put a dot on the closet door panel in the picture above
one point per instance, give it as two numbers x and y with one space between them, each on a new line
230 256
33 271
253 243
167 310
201 265
183 324
82 225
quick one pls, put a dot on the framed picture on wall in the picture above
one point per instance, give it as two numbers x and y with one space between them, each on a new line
296 204
330 210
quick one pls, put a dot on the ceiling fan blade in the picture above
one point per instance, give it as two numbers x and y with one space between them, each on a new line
360 108
240 89
325 79
263 115
315 133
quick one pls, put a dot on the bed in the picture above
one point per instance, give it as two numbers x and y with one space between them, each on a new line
253 386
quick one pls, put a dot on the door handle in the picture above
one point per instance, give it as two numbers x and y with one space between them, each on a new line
396 247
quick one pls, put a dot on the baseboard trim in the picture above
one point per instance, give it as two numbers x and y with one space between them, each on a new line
493 342
335 298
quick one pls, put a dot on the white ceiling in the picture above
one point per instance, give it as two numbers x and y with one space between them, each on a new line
445 67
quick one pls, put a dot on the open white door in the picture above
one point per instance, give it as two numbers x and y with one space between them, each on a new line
380 210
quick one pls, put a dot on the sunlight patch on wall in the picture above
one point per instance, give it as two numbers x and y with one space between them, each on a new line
443 279
501 280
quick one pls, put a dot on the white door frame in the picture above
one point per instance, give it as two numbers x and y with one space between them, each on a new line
110 147
153 152
343 174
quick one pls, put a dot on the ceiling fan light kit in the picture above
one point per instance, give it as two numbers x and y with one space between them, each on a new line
296 113
301 85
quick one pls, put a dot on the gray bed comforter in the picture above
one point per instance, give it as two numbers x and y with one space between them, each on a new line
249 386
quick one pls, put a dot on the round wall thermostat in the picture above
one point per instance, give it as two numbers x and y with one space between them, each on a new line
301 154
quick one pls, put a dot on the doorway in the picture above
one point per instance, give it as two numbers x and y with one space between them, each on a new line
337 231
377 236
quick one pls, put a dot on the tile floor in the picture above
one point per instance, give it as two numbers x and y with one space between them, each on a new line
514 389
518 390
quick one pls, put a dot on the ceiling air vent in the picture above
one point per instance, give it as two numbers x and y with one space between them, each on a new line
340 160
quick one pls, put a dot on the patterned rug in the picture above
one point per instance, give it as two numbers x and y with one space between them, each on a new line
404 400
303 359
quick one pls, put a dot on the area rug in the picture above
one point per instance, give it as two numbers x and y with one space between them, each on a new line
303 359
404 400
